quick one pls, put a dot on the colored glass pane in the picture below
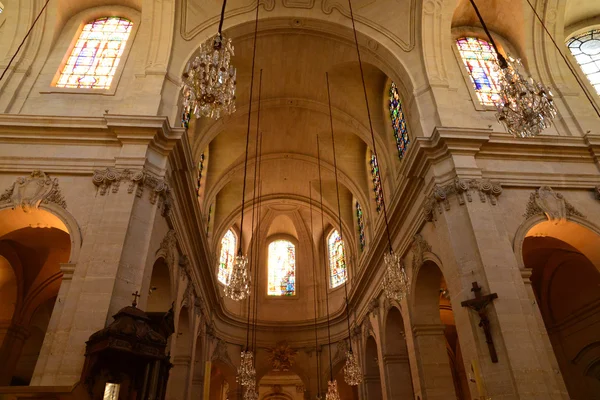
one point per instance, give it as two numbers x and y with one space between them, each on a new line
360 221
337 259
481 62
282 268
398 121
200 169
227 256
586 50
96 55
375 172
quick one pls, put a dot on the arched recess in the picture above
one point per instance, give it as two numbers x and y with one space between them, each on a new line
33 247
160 297
431 341
372 374
565 283
395 358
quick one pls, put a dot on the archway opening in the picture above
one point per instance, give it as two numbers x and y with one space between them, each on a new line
372 374
281 385
566 284
395 357
159 294
32 247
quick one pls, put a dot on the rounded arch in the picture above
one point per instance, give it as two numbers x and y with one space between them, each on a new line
281 267
337 258
372 373
160 293
228 246
395 359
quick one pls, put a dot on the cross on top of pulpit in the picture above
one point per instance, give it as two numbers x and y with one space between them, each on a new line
135 297
479 304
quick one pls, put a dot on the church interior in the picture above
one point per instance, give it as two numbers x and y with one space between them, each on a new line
300 199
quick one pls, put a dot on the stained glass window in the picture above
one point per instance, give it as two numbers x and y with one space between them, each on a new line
337 259
586 50
208 219
200 169
481 63
1 8
227 255
282 268
96 55
398 121
376 182
360 220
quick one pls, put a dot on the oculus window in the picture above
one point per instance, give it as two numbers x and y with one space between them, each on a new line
586 50
481 63
228 244
281 268
337 259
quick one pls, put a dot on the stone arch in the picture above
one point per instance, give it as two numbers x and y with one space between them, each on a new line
561 262
395 357
160 293
372 377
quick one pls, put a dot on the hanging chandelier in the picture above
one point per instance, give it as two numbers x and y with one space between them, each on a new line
246 372
352 373
525 107
396 285
332 391
250 392
209 80
237 286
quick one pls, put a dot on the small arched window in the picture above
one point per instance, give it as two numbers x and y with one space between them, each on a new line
481 63
282 268
94 59
398 121
337 259
375 177
360 222
227 257
586 50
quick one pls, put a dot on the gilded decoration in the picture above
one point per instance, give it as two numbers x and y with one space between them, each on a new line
31 191
282 357
462 190
550 203
110 179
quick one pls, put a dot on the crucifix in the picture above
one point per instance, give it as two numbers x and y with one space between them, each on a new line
479 304
135 297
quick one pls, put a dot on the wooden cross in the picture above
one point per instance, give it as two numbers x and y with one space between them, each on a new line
478 304
135 297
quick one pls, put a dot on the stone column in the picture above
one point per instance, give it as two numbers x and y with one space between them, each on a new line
13 343
179 378
397 377
433 363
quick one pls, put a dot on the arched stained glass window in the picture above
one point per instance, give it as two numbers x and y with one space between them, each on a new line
228 244
96 55
376 182
360 221
200 170
337 259
398 121
282 268
481 62
586 50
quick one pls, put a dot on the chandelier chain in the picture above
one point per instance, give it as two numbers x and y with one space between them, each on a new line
314 268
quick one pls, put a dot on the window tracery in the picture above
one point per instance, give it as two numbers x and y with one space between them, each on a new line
281 268
337 259
586 50
398 121
481 63
375 176
228 244
93 61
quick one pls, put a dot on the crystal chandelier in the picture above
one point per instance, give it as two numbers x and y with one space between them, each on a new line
238 283
395 281
250 392
332 391
352 372
246 372
526 107
209 80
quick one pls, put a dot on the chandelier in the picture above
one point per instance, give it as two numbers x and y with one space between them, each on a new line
352 372
246 372
250 392
209 80
526 107
332 391
238 283
395 280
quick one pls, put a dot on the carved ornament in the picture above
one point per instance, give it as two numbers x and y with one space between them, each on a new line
110 179
184 265
420 246
168 248
374 307
597 192
463 191
221 353
282 357
550 203
30 191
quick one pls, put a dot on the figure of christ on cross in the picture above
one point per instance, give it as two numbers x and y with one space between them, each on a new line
479 304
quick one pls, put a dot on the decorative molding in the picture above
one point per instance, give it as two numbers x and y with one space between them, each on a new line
282 357
462 189
109 180
374 307
221 352
29 192
367 327
184 265
340 353
67 269
419 246
550 203
168 248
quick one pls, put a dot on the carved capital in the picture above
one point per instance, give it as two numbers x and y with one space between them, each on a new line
110 179
462 190
221 353
550 203
168 248
68 270
30 191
